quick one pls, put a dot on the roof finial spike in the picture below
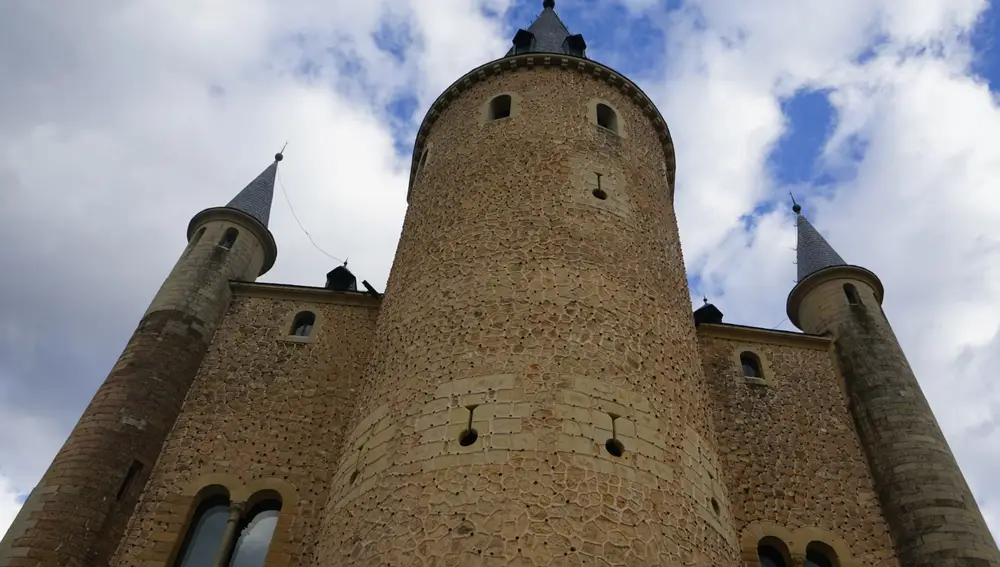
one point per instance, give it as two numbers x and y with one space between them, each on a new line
796 208
281 154
550 4
705 299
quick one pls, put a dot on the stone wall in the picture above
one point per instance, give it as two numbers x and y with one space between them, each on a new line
266 411
790 454
519 293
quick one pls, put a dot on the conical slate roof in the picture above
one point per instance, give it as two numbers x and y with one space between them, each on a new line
255 199
814 253
548 34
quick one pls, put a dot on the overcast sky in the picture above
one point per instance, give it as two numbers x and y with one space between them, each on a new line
120 119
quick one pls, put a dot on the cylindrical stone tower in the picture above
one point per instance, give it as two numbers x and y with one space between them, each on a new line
78 512
536 395
932 515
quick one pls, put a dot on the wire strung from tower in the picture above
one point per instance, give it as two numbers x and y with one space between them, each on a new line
297 221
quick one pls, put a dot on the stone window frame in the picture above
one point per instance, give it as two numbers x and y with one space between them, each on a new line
796 543
424 158
484 109
619 117
242 498
767 375
289 319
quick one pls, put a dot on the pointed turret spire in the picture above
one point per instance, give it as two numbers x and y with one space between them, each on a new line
548 34
255 199
813 253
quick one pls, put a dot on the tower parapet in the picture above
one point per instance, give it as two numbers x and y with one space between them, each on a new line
932 515
78 512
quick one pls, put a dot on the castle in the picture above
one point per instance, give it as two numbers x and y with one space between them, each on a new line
532 388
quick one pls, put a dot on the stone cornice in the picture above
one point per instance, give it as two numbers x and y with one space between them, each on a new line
545 60
304 293
766 336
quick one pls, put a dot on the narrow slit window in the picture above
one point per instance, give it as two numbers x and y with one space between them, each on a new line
303 324
607 118
751 365
422 162
129 480
500 107
229 238
853 298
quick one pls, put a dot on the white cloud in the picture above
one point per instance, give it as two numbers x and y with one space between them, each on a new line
10 503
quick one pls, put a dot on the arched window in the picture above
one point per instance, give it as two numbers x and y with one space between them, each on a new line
194 241
607 118
256 530
751 365
772 552
500 107
207 530
819 554
423 161
303 324
853 298
229 238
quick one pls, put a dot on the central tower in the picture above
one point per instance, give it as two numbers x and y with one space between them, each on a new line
536 396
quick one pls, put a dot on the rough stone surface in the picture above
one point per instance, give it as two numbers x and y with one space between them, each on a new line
77 517
790 453
516 289
933 516
265 410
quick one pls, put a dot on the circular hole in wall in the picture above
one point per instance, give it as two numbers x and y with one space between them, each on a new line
468 437
615 447
600 194
715 506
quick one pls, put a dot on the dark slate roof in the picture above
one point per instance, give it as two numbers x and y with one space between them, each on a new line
814 253
549 31
255 199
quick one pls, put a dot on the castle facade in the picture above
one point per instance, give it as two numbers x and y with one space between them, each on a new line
532 389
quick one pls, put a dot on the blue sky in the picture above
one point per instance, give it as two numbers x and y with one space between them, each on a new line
880 116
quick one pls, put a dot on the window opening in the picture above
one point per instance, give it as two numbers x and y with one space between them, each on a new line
500 107
256 531
770 557
468 435
606 118
208 529
229 238
194 241
303 324
853 298
751 365
130 476
819 555
614 445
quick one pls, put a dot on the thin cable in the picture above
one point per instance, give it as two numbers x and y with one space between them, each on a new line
779 324
296 217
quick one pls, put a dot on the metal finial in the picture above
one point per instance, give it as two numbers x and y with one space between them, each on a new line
281 155
550 4
705 299
796 208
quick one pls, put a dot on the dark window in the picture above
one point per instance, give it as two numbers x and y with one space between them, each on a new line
303 324
204 538
770 557
194 241
500 107
851 292
575 46
606 118
229 238
130 476
256 530
423 161
819 554
751 365
524 41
